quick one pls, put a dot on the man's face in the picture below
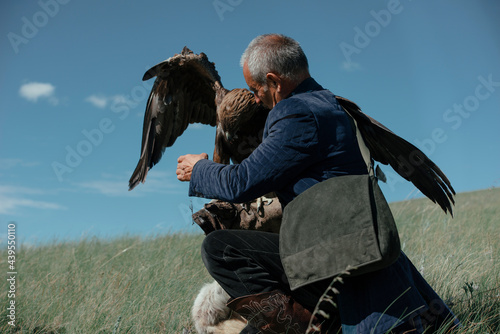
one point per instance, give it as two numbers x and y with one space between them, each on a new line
263 93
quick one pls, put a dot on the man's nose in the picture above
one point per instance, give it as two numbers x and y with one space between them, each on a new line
257 100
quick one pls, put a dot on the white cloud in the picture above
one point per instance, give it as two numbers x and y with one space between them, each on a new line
102 101
122 99
350 66
10 205
33 91
18 190
113 185
98 101
12 198
106 187
160 182
9 163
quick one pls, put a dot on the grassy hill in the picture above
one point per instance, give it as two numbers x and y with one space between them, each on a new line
147 285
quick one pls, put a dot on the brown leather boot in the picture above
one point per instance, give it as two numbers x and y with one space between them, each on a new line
272 312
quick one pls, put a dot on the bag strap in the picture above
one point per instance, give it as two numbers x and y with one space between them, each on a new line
365 152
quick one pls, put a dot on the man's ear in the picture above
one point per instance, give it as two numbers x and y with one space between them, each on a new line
273 80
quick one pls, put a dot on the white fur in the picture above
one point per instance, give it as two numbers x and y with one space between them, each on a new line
211 315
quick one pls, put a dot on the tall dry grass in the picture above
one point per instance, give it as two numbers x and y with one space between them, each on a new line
458 256
147 285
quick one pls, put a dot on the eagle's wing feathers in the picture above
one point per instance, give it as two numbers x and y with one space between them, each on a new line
407 160
186 90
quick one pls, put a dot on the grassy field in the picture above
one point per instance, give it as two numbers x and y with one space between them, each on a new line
147 285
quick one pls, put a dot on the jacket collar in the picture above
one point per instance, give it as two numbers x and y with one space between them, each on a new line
308 85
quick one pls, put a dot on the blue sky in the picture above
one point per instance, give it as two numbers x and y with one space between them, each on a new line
72 99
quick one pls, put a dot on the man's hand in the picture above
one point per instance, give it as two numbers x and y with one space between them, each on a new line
185 164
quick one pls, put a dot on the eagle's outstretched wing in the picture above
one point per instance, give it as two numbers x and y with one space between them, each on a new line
407 160
187 90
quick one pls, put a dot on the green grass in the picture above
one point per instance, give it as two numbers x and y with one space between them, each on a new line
84 287
147 285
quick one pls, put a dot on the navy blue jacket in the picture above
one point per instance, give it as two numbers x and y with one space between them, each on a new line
307 138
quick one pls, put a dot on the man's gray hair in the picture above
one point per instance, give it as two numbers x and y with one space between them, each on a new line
275 53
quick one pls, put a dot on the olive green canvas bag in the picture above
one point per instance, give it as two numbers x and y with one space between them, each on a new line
343 222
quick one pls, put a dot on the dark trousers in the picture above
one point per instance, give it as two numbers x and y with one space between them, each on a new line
248 262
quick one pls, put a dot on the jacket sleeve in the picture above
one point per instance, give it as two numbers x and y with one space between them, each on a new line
290 146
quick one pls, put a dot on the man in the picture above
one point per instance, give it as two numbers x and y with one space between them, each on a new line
307 139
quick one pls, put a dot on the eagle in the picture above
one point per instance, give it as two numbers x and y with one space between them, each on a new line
188 89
